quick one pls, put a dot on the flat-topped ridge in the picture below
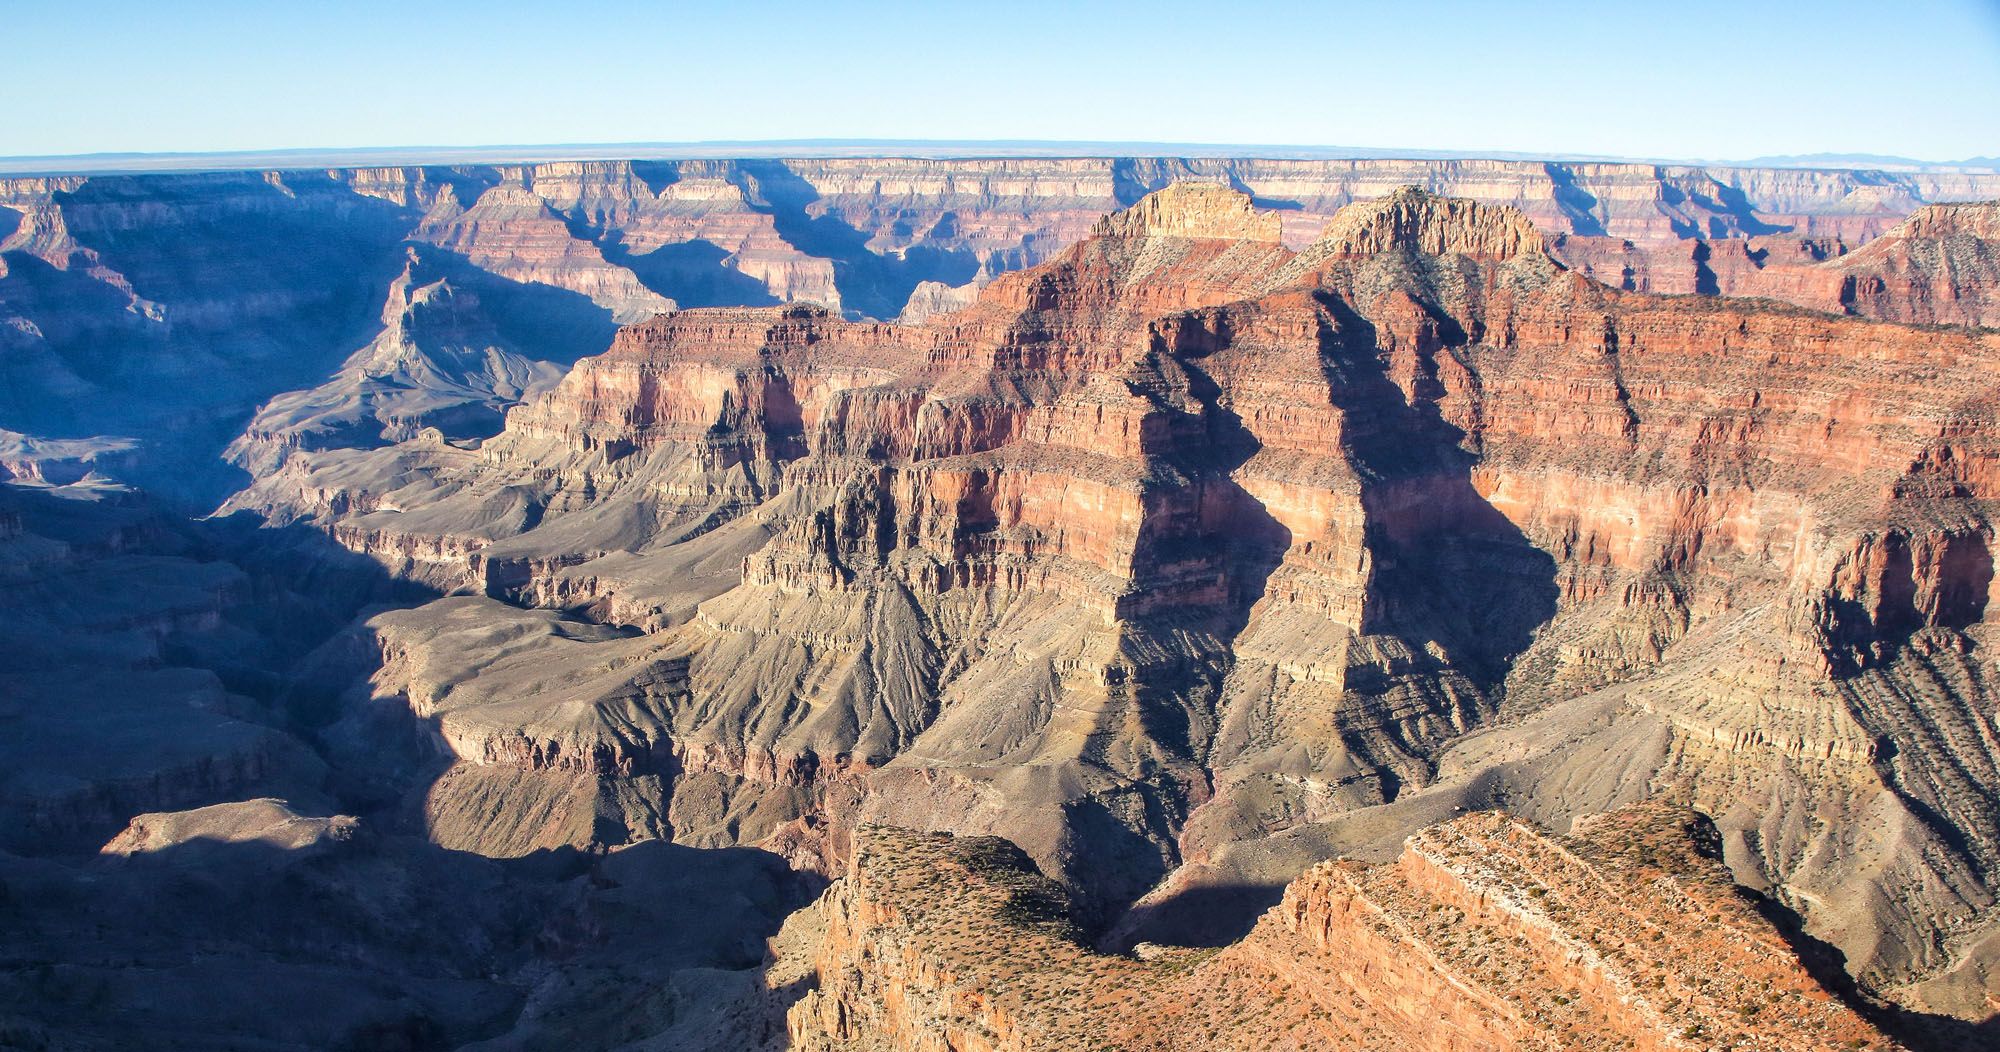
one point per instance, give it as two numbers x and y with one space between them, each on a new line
1974 218
1193 210
1417 220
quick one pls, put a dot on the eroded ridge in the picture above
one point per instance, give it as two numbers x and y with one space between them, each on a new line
1486 933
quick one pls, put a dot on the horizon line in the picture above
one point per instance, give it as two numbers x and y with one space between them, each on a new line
139 162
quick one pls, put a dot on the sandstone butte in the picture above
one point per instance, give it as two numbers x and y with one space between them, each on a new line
1189 557
1186 560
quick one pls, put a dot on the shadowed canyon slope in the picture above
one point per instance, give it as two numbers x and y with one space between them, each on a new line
1245 532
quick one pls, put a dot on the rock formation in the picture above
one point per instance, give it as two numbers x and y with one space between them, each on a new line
250 924
1183 558
511 231
102 599
1182 561
445 359
170 308
1484 933
1938 268
268 822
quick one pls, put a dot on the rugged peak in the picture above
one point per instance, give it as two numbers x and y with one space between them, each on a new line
1417 220
1192 210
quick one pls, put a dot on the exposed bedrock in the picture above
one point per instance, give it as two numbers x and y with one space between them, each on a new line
1938 267
173 309
1282 516
1483 933
1184 561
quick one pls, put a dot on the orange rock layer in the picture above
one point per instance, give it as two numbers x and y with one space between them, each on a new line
1486 934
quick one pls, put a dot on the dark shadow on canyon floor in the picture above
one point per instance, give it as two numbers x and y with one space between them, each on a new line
693 274
1828 966
366 942
373 938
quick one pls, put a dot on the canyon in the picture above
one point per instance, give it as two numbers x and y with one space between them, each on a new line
1004 604
378 300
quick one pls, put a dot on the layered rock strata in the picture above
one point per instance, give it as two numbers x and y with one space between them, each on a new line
1939 267
169 309
103 601
1185 548
1184 560
260 924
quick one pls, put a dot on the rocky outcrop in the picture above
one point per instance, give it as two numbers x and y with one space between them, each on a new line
1484 934
1940 267
1412 220
524 731
439 362
268 822
1192 210
932 298
61 462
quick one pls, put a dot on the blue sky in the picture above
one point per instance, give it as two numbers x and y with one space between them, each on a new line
1693 78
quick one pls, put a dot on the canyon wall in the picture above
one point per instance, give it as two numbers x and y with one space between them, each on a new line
1275 518
354 306
1185 560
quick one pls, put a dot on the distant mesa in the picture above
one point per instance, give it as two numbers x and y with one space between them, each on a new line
1414 220
1195 210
